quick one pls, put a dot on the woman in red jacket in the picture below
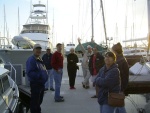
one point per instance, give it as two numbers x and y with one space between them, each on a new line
96 62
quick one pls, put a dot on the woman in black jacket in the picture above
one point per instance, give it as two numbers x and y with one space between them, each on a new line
124 71
72 67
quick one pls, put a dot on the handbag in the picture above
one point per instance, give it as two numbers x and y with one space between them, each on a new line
116 99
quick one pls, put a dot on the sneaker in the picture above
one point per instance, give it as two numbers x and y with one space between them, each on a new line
73 88
52 89
60 100
87 87
83 85
46 89
61 97
94 96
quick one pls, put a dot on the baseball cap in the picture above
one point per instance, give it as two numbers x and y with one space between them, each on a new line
89 46
37 46
48 48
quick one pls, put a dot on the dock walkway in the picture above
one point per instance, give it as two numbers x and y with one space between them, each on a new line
80 101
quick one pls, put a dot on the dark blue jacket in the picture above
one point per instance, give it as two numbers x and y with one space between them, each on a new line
108 80
36 71
47 61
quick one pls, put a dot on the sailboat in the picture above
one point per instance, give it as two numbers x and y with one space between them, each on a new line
92 43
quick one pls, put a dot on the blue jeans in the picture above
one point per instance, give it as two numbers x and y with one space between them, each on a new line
107 109
120 110
50 79
58 79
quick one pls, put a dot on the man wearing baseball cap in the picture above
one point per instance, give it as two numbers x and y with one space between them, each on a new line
37 75
47 58
85 62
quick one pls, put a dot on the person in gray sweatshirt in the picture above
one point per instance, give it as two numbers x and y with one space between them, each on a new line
85 62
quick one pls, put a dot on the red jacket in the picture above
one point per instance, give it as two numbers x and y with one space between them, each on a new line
57 60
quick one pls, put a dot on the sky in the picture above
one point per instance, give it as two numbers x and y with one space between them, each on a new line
120 16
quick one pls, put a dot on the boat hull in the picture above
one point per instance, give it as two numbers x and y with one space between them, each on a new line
18 56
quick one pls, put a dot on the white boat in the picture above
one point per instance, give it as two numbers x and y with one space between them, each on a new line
68 47
9 94
36 30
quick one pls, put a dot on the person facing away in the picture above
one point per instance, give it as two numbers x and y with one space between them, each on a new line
124 71
72 67
85 68
47 61
108 80
96 62
57 65
37 75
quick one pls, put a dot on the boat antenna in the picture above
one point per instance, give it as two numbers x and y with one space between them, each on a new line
148 7
30 6
72 34
92 21
4 20
18 22
53 27
47 13
101 6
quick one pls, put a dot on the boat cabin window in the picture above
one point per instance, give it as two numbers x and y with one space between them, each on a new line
35 31
5 82
70 44
142 51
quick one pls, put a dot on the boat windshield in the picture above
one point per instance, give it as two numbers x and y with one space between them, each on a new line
70 44
35 31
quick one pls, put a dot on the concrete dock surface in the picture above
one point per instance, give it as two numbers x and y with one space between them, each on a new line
80 101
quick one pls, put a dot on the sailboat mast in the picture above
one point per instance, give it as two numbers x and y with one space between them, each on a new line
72 34
104 21
125 30
92 21
47 13
4 20
18 22
148 6
53 28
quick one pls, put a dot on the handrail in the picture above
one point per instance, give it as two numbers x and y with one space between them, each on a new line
12 67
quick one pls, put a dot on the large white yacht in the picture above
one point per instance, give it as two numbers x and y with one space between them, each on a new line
36 30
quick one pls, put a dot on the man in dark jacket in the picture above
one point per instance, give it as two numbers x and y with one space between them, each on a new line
37 75
47 61
124 71
96 62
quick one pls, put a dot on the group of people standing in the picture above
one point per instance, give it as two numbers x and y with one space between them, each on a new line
41 71
108 73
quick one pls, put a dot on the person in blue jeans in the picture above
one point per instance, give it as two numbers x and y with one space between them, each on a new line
47 61
57 64
37 75
108 80
124 71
